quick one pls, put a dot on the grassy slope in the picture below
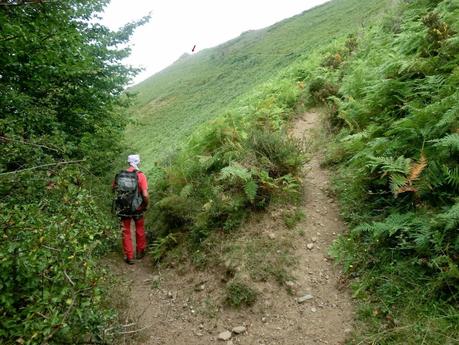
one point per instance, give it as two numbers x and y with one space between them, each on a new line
401 252
173 102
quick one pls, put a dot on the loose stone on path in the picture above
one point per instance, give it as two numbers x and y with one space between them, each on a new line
304 298
226 335
239 329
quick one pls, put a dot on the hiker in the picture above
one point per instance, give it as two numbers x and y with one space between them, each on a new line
130 203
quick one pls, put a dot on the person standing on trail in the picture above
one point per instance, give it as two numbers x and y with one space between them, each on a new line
130 203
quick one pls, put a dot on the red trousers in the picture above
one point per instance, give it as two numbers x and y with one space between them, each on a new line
139 235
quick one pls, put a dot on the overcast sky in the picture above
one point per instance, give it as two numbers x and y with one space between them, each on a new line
176 26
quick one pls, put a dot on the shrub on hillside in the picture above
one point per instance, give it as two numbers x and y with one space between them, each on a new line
52 284
398 171
275 153
239 294
232 166
322 89
61 85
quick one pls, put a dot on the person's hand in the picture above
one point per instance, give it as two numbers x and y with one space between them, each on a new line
141 208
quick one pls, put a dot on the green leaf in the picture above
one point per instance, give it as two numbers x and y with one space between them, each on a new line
250 190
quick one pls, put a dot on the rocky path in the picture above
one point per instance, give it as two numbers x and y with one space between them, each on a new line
182 306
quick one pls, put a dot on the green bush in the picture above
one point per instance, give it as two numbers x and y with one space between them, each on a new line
397 173
234 165
52 284
292 218
239 294
322 89
61 85
276 153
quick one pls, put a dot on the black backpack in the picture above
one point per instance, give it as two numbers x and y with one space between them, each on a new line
128 198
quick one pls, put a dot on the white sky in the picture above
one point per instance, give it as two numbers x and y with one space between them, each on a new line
176 26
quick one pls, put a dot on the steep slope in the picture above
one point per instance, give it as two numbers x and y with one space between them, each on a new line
172 103
391 100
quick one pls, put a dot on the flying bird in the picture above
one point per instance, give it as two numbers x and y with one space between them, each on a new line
194 47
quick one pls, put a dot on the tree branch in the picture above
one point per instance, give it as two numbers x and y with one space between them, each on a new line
8 38
59 326
41 166
68 278
22 2
28 143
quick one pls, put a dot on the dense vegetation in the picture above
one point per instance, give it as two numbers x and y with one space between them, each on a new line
235 164
61 83
200 87
393 105
391 100
230 167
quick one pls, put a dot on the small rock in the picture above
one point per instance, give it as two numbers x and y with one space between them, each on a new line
170 295
226 335
272 236
263 319
310 246
200 287
347 331
314 239
239 329
290 284
313 310
304 298
229 342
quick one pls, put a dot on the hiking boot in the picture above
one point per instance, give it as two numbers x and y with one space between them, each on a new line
129 261
140 254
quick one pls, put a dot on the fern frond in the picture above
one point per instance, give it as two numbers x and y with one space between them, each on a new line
389 165
250 190
186 191
389 227
417 169
397 181
357 136
415 172
434 175
452 177
449 118
451 141
451 217
235 170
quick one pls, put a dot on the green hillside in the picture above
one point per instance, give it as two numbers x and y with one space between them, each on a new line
385 75
390 94
172 103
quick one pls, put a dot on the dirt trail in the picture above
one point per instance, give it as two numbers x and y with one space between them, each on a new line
179 306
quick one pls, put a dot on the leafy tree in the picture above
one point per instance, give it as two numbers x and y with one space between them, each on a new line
61 120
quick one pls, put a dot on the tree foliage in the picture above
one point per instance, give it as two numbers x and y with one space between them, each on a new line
61 84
